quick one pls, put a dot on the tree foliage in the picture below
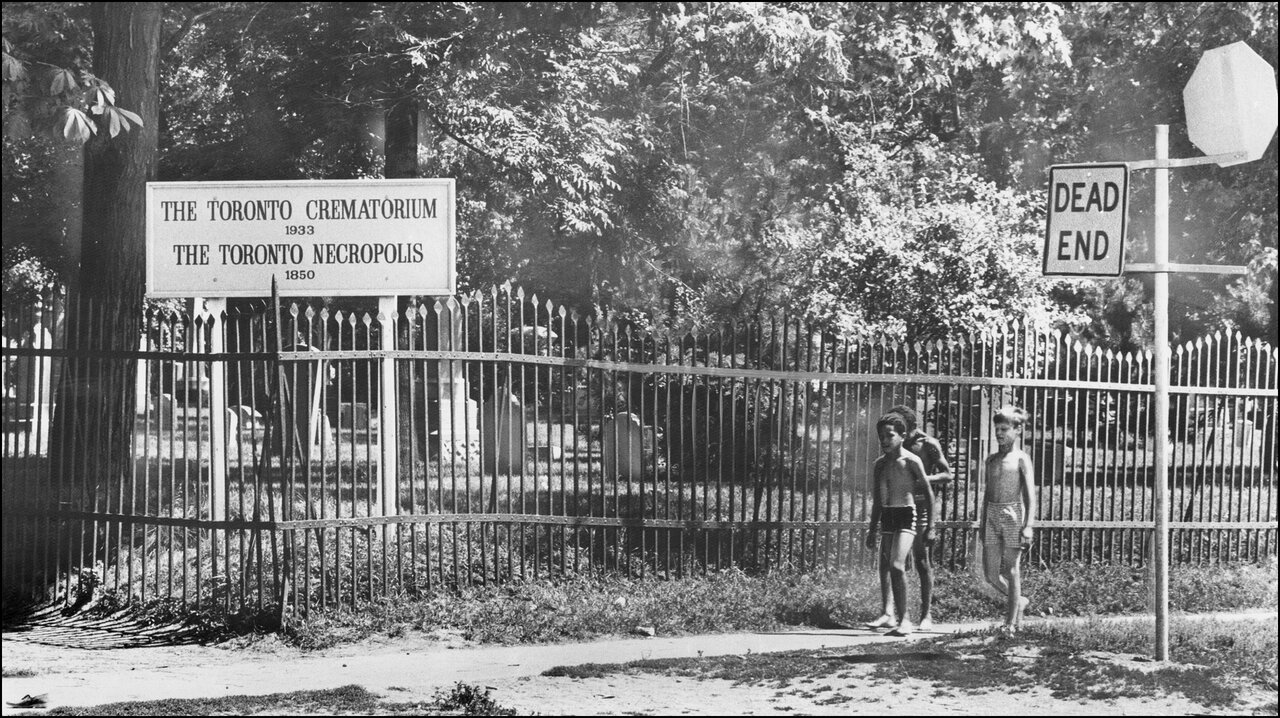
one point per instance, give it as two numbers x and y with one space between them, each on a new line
875 165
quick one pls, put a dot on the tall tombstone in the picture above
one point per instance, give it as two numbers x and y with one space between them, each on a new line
302 393
502 434
32 380
456 415
623 447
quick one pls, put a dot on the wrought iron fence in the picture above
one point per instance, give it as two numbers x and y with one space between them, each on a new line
332 456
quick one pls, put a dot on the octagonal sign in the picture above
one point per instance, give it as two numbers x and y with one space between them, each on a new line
1230 102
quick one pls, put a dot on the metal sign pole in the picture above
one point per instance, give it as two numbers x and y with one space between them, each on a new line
1161 340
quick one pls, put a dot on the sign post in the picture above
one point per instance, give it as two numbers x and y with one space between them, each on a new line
379 238
1230 104
1160 253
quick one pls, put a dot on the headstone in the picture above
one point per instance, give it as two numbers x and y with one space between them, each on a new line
1238 443
165 407
31 377
303 403
623 447
458 416
353 416
502 439
551 440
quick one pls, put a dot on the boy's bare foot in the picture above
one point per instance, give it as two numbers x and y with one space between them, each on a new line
1007 631
904 629
926 624
884 621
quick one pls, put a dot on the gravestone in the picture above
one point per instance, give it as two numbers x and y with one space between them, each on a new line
551 441
303 392
623 447
502 434
29 381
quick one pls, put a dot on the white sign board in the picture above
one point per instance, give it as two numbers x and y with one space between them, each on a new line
1086 225
1230 102
317 237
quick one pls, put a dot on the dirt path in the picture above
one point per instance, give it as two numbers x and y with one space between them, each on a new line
79 662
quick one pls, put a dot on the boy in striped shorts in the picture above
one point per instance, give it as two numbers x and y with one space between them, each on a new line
897 477
937 471
1008 514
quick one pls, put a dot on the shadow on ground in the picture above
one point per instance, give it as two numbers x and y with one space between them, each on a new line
48 626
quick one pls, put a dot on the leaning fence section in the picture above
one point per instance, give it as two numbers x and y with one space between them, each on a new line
315 456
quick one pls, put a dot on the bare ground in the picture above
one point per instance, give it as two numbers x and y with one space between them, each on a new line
83 662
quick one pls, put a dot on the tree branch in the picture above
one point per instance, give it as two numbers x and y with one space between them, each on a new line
171 43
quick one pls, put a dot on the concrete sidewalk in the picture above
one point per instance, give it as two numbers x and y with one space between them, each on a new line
414 667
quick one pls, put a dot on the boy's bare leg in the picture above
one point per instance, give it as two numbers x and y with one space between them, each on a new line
992 557
898 579
925 568
886 619
1013 576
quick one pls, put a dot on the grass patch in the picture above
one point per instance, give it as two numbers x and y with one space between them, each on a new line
585 607
1215 661
462 699
17 673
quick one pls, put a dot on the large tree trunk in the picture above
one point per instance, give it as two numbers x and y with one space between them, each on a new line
93 426
401 148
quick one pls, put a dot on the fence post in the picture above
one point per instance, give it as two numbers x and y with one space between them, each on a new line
387 417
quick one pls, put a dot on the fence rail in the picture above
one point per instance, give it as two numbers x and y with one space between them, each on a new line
495 436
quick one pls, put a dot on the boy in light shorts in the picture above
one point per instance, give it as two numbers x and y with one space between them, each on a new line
1008 513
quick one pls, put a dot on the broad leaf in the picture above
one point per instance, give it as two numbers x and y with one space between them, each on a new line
132 116
14 70
63 81
76 125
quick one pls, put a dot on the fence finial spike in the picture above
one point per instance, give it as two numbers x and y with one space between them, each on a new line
324 314
520 293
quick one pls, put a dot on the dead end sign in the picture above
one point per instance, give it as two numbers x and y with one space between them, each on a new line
1086 225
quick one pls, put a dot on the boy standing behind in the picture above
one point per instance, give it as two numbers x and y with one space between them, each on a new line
898 476
1008 513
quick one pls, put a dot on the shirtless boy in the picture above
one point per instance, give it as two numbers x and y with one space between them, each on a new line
937 472
1008 513
898 476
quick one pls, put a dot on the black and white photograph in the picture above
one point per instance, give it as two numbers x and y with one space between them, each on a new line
639 358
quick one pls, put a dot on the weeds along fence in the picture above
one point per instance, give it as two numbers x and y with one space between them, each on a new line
310 457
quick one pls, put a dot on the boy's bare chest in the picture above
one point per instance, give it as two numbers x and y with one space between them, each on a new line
1003 478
